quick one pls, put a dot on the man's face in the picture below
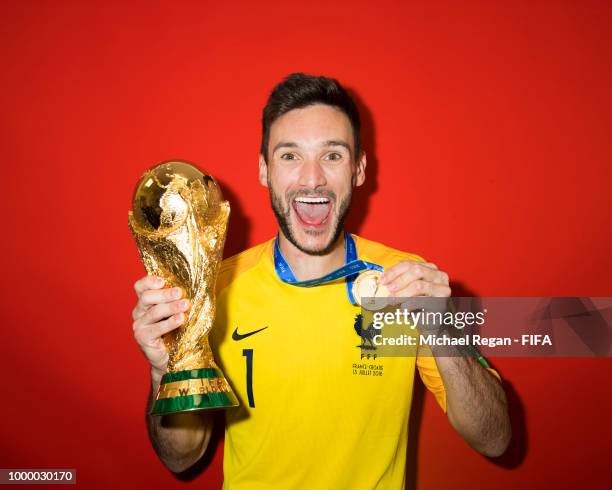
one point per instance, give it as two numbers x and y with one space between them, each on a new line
310 173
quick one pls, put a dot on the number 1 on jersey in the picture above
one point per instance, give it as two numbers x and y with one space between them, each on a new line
248 353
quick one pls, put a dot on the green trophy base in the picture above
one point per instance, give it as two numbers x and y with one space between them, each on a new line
193 389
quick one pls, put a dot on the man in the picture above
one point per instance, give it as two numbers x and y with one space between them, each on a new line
310 417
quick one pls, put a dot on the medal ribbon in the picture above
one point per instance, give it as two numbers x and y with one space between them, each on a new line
351 268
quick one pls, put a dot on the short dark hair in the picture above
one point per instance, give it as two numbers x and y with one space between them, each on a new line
299 90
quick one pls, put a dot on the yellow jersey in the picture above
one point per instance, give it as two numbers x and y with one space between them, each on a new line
314 411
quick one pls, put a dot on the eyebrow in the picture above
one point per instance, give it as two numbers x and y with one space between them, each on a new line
284 144
337 143
291 144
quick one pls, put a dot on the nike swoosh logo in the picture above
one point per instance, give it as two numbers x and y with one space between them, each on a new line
237 336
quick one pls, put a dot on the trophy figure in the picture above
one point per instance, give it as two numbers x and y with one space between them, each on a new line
179 221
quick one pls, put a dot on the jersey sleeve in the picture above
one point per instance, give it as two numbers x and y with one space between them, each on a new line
428 371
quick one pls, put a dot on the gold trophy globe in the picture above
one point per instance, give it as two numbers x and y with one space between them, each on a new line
179 221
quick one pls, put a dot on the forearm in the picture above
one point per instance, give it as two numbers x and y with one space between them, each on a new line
179 439
476 404
475 400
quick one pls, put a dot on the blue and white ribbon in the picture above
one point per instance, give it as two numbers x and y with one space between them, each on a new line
351 268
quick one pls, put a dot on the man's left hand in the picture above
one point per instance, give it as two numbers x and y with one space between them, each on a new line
410 278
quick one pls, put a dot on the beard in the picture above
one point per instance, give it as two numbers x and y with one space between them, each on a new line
283 216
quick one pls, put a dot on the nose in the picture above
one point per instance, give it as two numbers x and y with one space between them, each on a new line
312 175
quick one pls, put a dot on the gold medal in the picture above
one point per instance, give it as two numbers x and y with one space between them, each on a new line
367 290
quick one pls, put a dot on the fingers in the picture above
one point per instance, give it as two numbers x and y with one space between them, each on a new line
407 266
158 311
158 320
163 310
157 296
160 328
148 282
422 288
422 303
401 275
150 293
148 334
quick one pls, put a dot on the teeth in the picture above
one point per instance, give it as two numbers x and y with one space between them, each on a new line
312 200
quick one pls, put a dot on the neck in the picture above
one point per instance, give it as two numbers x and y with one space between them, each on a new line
306 266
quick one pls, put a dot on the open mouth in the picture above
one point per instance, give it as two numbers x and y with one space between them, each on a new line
312 211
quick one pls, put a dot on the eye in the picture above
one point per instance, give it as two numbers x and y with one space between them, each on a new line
288 156
334 156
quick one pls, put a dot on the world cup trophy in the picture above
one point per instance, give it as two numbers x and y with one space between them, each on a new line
179 221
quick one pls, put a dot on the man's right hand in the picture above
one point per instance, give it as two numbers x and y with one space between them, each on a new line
159 310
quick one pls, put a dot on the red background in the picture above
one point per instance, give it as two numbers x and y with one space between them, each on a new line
487 126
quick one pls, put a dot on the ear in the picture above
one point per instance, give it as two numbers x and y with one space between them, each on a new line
360 173
263 171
